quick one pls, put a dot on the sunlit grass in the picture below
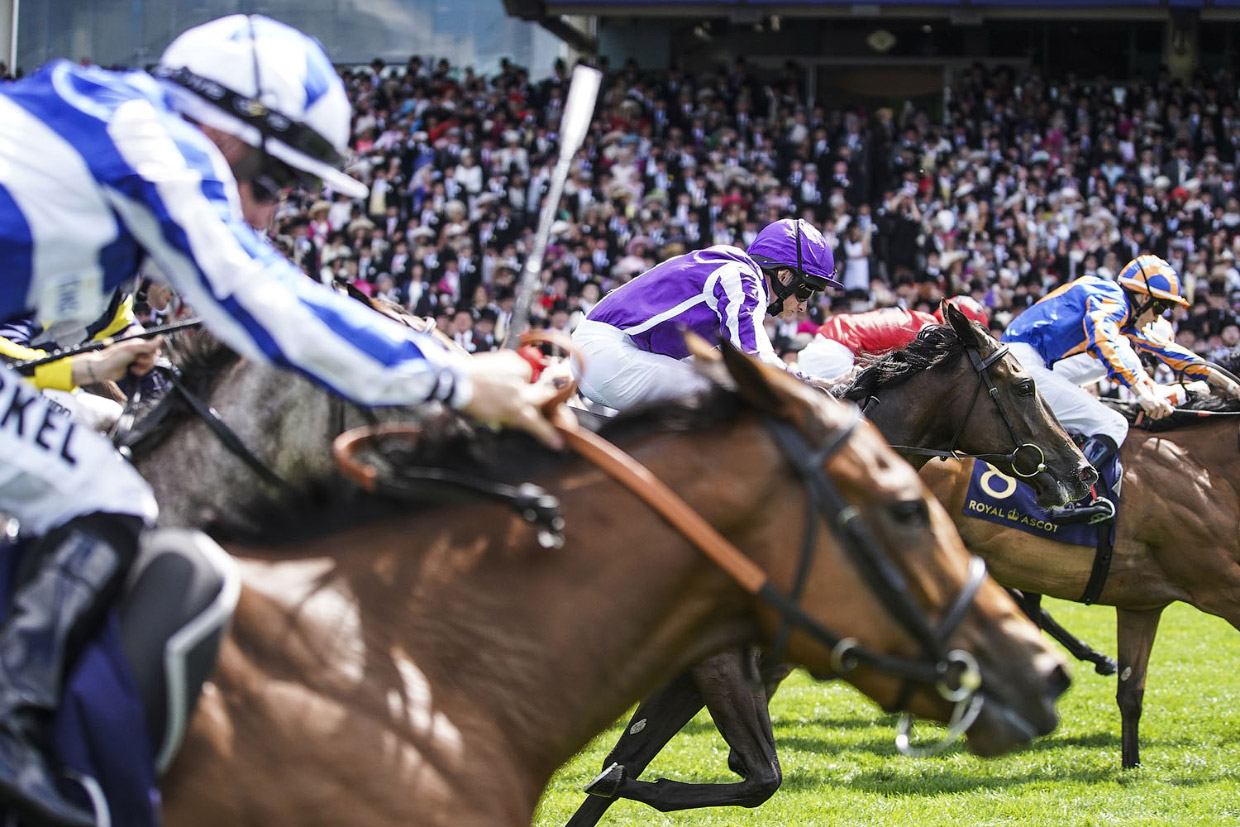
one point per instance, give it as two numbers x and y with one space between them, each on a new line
841 768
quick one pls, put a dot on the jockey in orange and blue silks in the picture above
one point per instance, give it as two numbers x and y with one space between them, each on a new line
1094 327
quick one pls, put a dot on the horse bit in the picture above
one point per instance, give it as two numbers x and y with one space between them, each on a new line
981 368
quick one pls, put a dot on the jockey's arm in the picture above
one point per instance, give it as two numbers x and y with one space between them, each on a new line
1112 347
1182 361
109 364
261 305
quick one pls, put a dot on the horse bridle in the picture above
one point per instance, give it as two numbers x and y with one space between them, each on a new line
954 673
981 368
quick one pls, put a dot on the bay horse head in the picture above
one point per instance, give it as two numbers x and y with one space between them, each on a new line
956 392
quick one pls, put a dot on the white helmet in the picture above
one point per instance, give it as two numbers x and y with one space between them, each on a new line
269 85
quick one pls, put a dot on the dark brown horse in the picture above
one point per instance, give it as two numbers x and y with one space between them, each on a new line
953 391
1177 539
392 668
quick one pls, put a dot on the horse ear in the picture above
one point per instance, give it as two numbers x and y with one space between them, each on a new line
965 328
354 293
766 388
708 361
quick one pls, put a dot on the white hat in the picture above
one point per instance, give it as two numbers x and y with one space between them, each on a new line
269 85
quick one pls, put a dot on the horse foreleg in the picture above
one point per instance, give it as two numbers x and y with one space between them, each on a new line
737 699
653 724
1135 631
1031 605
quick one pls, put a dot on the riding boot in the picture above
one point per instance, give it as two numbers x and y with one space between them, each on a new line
79 569
1098 450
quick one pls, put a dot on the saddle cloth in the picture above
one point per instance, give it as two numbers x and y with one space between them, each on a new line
997 498
99 733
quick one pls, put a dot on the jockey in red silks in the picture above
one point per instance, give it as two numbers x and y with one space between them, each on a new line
833 352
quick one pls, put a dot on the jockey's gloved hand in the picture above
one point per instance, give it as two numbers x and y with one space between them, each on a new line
1197 388
1155 405
502 395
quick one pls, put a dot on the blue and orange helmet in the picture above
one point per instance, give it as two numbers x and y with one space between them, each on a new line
1151 276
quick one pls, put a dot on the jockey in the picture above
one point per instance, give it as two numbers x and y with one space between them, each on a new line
100 170
1093 327
632 342
842 338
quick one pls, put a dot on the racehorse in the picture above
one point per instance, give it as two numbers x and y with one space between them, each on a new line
387 667
953 391
1176 539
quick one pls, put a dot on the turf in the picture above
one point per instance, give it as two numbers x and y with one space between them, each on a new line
841 768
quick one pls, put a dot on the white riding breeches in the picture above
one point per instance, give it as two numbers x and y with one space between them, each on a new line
825 358
95 411
53 468
1077 410
620 375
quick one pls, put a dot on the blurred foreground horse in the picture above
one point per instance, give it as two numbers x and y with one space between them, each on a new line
390 665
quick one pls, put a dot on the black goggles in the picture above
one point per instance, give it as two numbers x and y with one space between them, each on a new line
804 291
265 189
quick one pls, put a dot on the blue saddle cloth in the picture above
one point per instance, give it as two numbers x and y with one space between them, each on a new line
997 498
99 732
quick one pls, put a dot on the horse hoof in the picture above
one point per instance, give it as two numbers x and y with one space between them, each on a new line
607 783
1106 666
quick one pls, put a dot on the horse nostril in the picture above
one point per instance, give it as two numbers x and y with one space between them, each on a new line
1088 475
1057 682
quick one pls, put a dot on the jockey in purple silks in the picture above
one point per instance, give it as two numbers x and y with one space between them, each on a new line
632 342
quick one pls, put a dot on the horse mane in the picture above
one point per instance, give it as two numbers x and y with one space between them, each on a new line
198 356
1184 415
450 443
934 345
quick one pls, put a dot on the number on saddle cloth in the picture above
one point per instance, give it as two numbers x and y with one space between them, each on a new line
997 498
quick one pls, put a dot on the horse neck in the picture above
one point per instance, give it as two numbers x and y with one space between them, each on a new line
539 650
283 420
916 413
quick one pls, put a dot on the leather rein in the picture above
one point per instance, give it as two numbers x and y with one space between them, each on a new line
954 674
981 368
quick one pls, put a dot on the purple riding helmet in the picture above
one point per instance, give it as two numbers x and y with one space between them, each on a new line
800 247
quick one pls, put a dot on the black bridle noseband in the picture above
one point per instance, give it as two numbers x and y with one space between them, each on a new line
954 673
1037 458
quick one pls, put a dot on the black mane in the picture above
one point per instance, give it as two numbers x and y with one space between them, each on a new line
934 345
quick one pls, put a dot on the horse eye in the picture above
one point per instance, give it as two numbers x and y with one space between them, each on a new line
910 513
1027 388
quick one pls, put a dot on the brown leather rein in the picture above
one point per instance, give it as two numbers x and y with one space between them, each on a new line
953 673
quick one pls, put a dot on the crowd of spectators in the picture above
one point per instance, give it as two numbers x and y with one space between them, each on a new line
1020 184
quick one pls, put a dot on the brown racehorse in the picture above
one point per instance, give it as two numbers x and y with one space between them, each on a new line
934 397
389 668
1177 539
